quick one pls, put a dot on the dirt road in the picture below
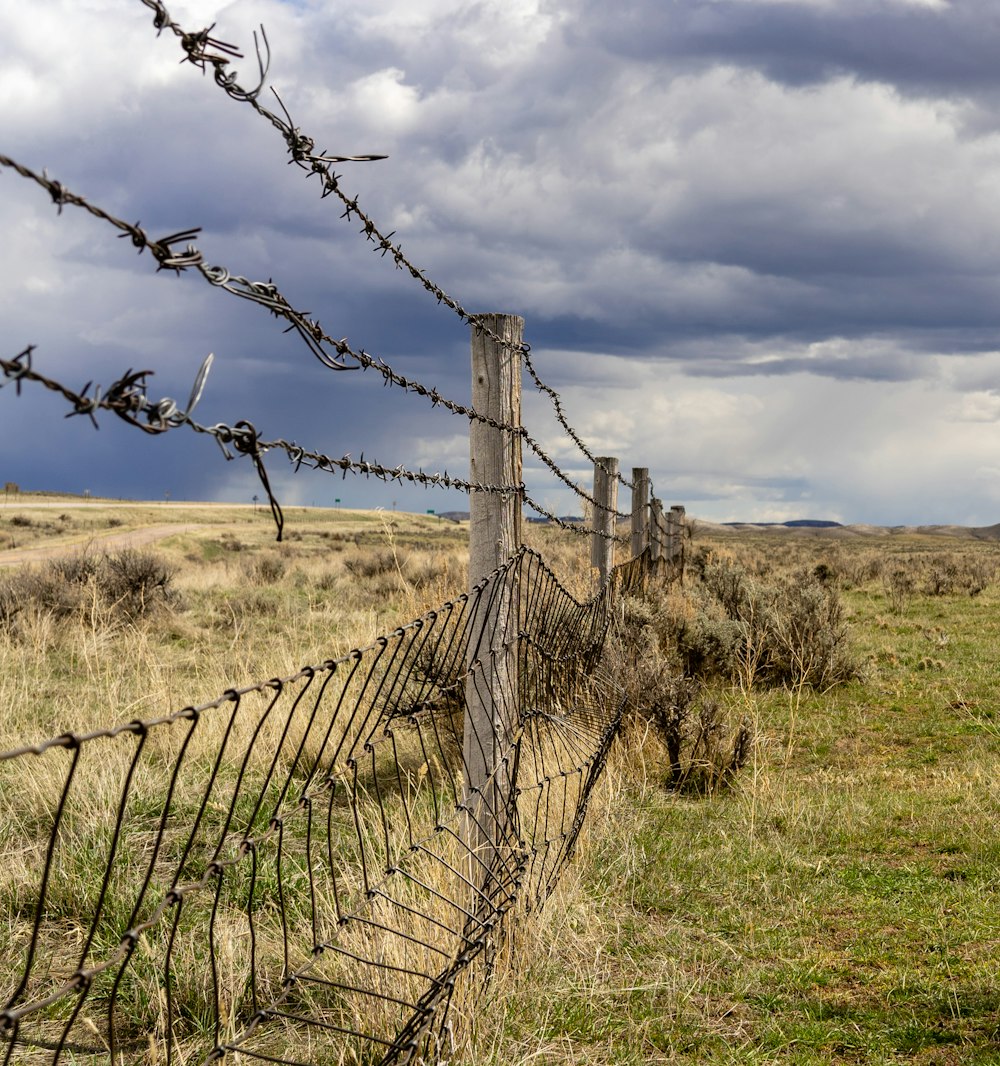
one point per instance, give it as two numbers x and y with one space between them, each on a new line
134 538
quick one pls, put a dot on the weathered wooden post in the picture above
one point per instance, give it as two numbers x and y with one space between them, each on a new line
675 533
640 510
494 536
602 547
656 545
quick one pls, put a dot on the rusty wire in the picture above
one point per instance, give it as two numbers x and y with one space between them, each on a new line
126 398
308 858
203 51
266 294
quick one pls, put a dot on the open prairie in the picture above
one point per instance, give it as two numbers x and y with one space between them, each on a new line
793 854
837 903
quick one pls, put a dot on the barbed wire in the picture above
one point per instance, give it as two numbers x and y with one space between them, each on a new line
554 467
203 51
267 295
570 526
126 397
166 257
556 400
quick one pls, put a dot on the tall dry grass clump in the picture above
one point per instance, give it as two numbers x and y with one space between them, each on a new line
119 586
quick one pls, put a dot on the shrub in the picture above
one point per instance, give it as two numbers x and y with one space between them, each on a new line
806 635
899 586
948 574
980 574
708 640
858 569
824 573
265 569
76 569
132 582
788 630
123 585
376 562
43 591
705 746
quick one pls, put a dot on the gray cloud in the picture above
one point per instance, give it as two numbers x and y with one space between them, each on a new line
718 219
945 48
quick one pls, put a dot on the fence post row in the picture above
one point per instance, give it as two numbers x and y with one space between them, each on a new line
602 547
494 536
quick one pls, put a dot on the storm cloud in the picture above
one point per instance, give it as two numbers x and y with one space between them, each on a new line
756 243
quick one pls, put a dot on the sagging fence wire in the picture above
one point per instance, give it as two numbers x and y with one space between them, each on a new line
309 860
311 331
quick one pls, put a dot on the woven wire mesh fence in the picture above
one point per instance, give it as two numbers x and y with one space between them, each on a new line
306 869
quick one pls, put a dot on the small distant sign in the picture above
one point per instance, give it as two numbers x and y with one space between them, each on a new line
430 510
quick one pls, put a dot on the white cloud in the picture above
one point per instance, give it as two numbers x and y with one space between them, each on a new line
385 100
978 407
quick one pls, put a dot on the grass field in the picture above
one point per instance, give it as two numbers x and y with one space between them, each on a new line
836 903
839 904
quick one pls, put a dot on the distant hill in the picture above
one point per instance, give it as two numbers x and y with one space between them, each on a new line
798 523
838 530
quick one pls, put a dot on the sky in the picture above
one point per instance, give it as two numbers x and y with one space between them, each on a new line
756 244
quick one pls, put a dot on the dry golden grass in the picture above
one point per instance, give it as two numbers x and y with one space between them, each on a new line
239 609
833 905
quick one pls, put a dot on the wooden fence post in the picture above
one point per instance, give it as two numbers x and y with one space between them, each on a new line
602 548
675 533
494 536
656 545
640 510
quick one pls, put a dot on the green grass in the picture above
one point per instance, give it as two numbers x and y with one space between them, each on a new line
838 905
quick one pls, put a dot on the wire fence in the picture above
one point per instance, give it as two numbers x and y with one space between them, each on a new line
303 862
319 867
